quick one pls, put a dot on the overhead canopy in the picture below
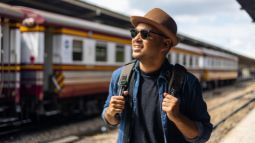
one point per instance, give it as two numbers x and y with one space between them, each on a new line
78 9
87 11
10 12
249 7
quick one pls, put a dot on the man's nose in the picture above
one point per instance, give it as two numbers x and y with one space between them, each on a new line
138 38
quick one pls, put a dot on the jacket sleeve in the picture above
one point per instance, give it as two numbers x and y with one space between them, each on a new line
113 87
197 110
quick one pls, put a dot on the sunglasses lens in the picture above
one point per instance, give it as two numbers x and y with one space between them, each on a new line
133 33
144 34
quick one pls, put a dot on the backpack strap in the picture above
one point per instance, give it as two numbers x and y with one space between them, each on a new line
177 79
125 77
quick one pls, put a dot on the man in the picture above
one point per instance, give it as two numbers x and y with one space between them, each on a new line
156 116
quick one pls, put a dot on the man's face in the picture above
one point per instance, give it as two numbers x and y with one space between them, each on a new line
149 48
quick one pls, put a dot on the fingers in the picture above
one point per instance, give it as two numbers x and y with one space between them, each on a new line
117 100
125 93
169 100
169 96
117 104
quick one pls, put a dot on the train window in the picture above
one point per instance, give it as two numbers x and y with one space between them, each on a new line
191 61
101 52
196 61
169 57
77 50
213 62
177 58
120 52
184 60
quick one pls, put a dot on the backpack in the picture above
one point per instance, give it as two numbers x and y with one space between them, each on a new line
126 81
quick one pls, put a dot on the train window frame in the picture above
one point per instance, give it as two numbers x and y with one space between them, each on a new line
177 56
180 59
78 51
103 47
197 61
184 60
173 60
118 52
191 61
168 55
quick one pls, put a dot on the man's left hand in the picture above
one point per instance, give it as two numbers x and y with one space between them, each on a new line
170 105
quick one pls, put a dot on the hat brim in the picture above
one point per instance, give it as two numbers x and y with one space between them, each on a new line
135 20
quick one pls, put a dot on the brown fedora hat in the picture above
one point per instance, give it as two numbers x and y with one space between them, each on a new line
160 20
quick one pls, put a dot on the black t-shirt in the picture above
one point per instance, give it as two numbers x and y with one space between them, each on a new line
147 125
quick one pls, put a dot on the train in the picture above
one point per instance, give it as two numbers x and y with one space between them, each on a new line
55 64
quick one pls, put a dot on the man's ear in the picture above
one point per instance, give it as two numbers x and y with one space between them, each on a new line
168 43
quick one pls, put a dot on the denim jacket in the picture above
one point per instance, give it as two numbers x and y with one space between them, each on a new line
192 105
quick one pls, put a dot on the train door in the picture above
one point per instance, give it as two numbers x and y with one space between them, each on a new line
5 60
48 61
9 74
50 98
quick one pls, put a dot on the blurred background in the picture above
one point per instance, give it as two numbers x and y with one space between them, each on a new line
57 57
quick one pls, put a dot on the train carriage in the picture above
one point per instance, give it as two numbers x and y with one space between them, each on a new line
189 56
219 68
69 58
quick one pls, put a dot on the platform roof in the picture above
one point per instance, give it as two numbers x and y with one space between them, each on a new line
78 9
87 11
249 7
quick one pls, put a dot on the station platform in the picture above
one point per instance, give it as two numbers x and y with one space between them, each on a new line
243 132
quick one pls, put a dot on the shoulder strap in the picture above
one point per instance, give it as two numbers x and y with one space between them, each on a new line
177 79
125 80
125 77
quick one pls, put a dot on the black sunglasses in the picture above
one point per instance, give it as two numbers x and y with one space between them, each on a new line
144 33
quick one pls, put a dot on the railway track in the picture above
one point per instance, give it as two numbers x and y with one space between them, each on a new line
226 114
52 128
233 112
215 107
223 110
13 127
78 136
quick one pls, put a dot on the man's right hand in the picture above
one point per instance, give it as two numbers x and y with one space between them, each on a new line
116 105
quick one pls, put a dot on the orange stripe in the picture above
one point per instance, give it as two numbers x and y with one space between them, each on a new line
177 50
71 32
219 75
59 80
32 29
110 38
10 68
32 67
86 68
92 35
59 67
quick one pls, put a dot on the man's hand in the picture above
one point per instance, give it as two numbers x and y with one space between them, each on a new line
170 105
116 105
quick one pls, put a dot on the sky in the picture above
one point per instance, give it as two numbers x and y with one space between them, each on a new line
218 22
